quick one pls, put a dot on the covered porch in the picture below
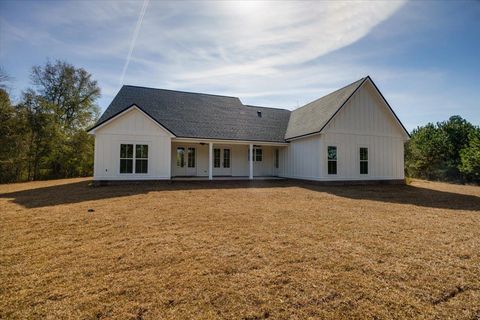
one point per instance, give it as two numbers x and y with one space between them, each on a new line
206 159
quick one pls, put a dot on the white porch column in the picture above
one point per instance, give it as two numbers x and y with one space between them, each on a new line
250 176
210 161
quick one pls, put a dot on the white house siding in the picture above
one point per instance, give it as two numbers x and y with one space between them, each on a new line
132 127
385 157
365 121
300 159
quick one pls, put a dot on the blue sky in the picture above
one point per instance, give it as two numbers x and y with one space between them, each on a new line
424 56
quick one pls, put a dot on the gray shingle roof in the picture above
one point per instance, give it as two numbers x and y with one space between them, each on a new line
198 115
313 116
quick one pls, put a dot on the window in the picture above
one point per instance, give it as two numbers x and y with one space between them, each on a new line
332 160
126 158
141 158
181 157
277 158
363 160
191 157
130 161
258 154
226 158
216 158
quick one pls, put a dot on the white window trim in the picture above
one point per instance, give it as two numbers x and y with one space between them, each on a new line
368 159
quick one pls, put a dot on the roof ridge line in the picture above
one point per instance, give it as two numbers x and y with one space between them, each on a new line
189 92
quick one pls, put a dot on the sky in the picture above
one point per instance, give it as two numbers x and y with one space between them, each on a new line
424 56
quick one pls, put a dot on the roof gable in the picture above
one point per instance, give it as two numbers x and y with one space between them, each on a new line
131 116
366 112
316 115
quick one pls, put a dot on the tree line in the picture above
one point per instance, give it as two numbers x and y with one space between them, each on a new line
445 151
43 136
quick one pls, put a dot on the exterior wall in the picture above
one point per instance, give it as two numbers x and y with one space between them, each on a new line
135 128
365 121
300 159
385 157
239 166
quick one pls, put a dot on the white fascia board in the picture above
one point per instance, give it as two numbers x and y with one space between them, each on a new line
132 107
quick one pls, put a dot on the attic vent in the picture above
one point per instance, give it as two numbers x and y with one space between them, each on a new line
259 114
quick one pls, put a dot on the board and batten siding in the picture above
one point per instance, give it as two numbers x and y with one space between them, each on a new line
132 127
364 121
300 159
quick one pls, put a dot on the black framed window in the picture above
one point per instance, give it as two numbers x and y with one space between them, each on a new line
191 157
216 158
332 159
126 158
363 160
141 158
277 158
226 158
258 154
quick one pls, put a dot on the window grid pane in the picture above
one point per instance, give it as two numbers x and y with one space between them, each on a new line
191 157
141 166
277 158
332 153
126 151
180 157
216 158
141 151
258 155
363 167
226 158
126 166
364 154
332 167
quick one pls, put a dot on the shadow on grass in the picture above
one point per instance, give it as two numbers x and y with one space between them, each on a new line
401 194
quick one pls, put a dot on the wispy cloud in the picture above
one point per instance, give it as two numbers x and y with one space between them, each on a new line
279 54
204 45
134 39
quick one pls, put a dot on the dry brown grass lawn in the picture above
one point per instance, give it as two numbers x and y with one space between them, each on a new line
239 250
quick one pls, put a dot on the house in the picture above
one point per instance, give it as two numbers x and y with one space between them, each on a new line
153 134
